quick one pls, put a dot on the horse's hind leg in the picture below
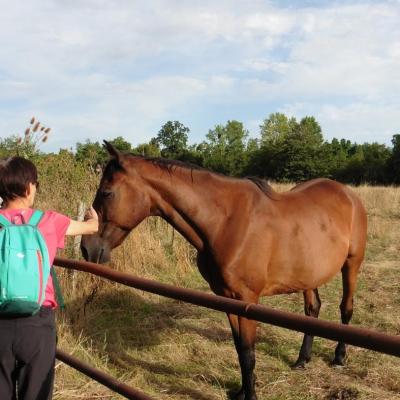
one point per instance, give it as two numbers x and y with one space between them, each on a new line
349 277
312 305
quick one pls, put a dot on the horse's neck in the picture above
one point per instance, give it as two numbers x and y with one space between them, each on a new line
186 200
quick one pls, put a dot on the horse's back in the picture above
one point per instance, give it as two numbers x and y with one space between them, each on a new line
327 191
340 203
310 233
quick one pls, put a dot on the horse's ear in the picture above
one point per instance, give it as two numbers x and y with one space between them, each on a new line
114 153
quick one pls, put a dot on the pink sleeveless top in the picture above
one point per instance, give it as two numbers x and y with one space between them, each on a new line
53 227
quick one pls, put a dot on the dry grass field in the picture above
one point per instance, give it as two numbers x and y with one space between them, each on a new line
173 350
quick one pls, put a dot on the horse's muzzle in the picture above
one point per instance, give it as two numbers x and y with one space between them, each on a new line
95 249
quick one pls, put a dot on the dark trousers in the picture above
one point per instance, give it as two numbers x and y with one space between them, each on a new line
27 356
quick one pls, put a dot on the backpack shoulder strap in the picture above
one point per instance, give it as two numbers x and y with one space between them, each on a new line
36 217
57 288
4 221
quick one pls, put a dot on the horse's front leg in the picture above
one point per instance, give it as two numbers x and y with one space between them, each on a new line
244 335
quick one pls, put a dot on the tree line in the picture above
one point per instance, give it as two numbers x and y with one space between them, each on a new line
286 150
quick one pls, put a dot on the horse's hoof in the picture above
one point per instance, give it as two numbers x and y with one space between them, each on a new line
337 363
238 395
299 365
241 395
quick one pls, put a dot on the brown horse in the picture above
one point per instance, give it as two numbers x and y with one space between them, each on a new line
251 240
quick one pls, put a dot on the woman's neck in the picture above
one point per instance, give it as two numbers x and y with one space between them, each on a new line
18 204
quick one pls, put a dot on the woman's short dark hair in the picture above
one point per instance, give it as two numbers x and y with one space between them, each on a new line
16 173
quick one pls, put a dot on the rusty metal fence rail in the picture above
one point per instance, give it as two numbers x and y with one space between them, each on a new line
365 338
101 377
361 337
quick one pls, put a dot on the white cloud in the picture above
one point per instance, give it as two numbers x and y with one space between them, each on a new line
362 122
105 68
358 122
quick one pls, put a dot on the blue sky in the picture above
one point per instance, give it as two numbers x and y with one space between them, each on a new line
97 69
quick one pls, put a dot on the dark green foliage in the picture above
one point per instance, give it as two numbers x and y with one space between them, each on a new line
225 148
290 150
286 150
91 153
172 140
121 144
94 154
147 150
65 180
15 146
366 163
276 128
393 173
296 151
192 155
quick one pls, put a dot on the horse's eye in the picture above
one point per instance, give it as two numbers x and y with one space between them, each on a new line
107 194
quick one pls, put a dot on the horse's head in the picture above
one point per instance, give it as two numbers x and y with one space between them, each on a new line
121 201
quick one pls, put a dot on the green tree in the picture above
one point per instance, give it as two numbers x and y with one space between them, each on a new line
394 161
193 155
94 154
91 153
121 144
172 139
376 158
366 163
27 145
290 150
305 153
147 150
276 128
308 131
338 155
16 146
225 148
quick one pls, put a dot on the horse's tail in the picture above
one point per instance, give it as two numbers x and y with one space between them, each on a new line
358 235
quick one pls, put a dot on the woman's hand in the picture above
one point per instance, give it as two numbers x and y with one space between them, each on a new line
87 227
91 214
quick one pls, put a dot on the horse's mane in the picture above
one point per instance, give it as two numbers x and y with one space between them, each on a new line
170 165
111 167
264 186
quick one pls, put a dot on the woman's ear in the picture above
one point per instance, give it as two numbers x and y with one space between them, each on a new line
29 190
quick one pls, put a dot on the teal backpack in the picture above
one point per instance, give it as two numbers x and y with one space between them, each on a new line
24 266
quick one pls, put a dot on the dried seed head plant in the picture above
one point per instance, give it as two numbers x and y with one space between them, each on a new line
34 135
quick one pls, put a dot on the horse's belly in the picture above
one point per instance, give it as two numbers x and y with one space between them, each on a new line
307 279
279 288
306 269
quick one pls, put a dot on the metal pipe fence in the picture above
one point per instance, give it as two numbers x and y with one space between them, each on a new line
101 377
361 337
